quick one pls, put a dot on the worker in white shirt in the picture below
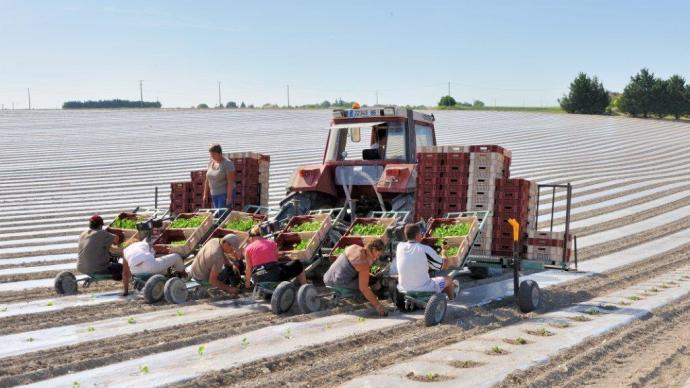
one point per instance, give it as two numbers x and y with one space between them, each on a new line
412 261
142 260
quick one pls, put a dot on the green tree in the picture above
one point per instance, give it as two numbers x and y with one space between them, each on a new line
678 103
478 104
637 98
242 106
587 95
660 98
447 101
202 106
231 105
325 104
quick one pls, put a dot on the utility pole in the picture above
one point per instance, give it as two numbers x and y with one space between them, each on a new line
288 95
220 102
377 97
28 92
141 93
449 88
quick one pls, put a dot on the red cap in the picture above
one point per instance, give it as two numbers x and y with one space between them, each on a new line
96 218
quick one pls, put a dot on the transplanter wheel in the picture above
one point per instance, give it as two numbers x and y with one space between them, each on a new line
283 297
175 291
435 309
66 283
529 296
308 299
154 288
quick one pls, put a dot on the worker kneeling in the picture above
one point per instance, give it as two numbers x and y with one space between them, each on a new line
262 263
412 259
351 270
94 254
214 260
142 260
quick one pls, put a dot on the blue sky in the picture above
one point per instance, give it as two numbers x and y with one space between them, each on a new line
503 52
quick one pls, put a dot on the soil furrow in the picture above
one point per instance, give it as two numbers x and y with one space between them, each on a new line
37 263
29 276
49 292
313 366
648 352
622 205
637 217
632 240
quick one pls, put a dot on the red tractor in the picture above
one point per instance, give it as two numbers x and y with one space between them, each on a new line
369 163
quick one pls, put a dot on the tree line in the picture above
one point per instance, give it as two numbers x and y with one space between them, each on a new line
110 104
645 95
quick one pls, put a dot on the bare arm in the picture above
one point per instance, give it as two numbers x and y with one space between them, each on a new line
230 177
213 279
247 271
363 281
206 189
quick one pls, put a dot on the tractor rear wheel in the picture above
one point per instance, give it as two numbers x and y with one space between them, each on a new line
308 299
175 291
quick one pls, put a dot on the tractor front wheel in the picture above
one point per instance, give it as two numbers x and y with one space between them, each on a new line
283 297
435 309
529 296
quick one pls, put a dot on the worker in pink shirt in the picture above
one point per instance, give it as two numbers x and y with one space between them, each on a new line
262 263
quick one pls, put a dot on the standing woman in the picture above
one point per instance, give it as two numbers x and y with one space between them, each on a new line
220 179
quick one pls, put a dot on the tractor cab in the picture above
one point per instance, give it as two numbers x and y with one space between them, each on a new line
369 161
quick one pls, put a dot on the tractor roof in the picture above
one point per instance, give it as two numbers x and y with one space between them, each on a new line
378 113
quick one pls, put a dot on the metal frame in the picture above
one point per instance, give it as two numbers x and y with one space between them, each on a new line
568 205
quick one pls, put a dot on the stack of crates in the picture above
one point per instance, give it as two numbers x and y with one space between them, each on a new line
251 184
180 197
442 174
513 199
488 164
548 247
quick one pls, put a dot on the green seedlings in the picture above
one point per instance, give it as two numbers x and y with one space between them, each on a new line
124 223
496 350
144 369
338 251
664 285
452 251
178 243
245 343
654 289
30 339
75 384
375 268
327 327
427 377
580 318
179 313
302 245
131 320
288 334
361 319
592 311
541 332
368 230
608 307
309 226
634 297
516 341
452 230
188 223
559 325
3 309
201 350
90 329
241 224
50 304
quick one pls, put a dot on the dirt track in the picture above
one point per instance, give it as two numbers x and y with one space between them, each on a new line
313 367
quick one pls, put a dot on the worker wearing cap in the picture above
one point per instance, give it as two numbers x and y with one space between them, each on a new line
141 259
94 253
261 262
209 264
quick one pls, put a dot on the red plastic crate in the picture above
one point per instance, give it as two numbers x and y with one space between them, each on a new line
491 148
455 180
431 156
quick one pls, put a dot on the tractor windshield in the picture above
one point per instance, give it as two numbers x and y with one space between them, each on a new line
380 142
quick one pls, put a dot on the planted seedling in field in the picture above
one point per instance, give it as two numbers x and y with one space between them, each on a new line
3 309
50 304
361 319
144 369
30 339
90 329
75 384
287 334
560 325
496 350
427 377
541 332
245 343
654 289
131 320
201 350
516 341
580 318
592 311
634 297
179 313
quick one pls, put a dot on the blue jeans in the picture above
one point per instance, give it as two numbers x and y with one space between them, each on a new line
219 201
